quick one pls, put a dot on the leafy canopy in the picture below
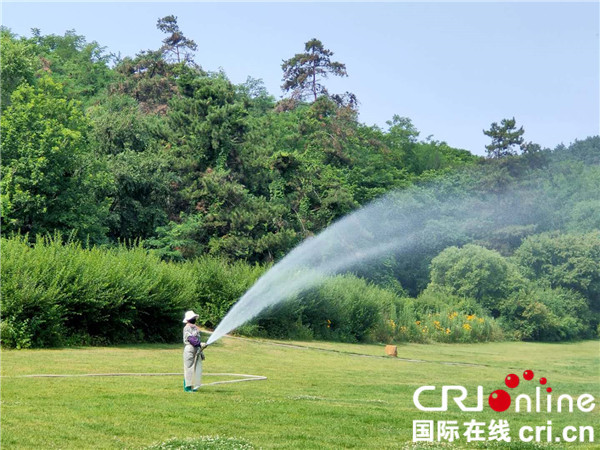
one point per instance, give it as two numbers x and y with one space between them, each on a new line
50 180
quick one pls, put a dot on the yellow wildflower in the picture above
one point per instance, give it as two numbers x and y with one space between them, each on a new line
466 326
448 331
471 317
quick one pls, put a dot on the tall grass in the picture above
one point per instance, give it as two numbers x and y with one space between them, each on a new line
57 293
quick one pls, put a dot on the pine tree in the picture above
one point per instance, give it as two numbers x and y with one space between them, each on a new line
302 74
504 138
176 44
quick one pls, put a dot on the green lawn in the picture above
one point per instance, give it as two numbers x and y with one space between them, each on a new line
318 394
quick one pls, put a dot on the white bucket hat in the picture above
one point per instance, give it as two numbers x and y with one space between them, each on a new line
189 315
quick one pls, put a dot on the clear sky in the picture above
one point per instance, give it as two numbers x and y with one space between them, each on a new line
453 68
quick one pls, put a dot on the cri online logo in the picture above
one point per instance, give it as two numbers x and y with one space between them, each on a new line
500 400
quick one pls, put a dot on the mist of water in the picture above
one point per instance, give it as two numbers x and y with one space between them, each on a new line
396 225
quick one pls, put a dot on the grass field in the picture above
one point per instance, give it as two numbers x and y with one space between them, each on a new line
317 395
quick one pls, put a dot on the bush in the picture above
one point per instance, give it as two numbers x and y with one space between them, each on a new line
344 308
56 293
281 321
546 314
217 284
437 316
571 261
475 272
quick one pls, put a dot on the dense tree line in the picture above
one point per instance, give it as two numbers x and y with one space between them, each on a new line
164 151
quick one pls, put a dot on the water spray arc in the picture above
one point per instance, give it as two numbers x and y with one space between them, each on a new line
395 225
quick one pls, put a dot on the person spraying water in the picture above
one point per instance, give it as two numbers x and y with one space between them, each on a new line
192 353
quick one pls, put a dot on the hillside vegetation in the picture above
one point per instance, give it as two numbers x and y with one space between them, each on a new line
135 188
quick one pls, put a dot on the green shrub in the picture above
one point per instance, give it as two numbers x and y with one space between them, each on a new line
476 272
344 308
438 316
218 284
281 321
56 293
546 314
571 261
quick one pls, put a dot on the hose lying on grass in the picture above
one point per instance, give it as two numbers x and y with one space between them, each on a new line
245 377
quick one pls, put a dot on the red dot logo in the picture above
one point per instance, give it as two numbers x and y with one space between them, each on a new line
499 400
548 390
543 381
511 381
528 375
